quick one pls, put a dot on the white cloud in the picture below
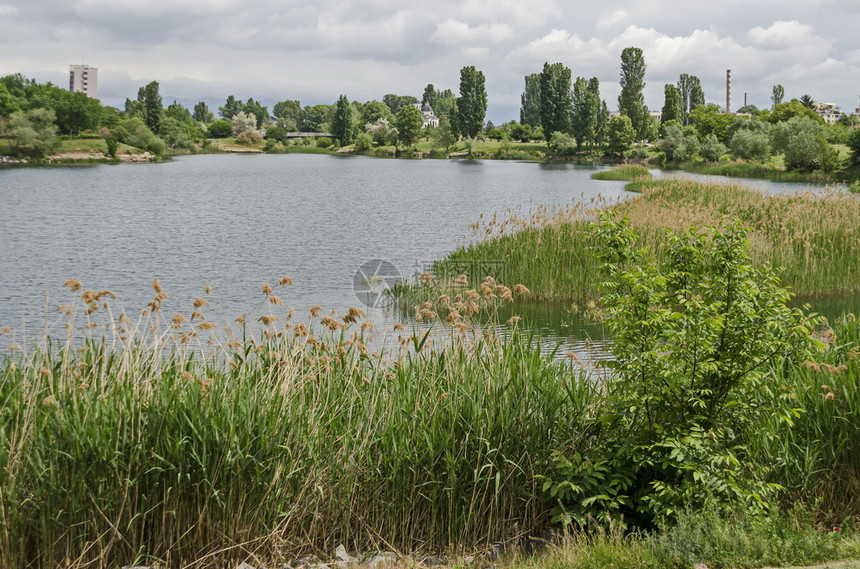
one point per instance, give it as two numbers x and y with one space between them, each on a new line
614 18
455 32
7 10
780 35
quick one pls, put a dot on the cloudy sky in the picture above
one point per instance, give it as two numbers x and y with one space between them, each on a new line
315 50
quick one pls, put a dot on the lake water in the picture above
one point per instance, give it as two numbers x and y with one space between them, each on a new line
234 222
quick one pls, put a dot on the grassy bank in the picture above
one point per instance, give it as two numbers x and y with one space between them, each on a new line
813 241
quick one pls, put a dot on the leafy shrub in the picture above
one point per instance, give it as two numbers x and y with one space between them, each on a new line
222 128
803 141
277 134
712 149
363 142
692 338
747 144
135 133
562 144
323 142
678 144
248 137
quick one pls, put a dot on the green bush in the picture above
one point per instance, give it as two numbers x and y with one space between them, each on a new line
222 128
363 142
693 337
323 142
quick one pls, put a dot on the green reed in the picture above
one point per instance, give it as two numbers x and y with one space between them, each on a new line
160 446
813 241
625 172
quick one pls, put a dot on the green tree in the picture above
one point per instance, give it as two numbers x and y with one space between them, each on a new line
176 133
679 144
202 113
372 111
803 142
277 134
631 101
555 98
8 103
586 108
397 102
602 123
443 137
748 144
221 128
288 113
76 112
32 132
708 119
673 109
178 112
793 108
429 96
153 108
260 113
315 117
711 149
854 145
777 95
342 125
408 124
807 101
619 135
445 105
692 95
231 107
530 102
134 132
472 102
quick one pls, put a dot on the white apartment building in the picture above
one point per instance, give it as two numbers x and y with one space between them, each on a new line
84 79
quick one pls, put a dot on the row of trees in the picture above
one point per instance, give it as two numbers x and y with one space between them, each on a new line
572 115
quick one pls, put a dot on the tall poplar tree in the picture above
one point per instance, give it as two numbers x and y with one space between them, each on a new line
631 101
342 124
672 106
692 95
530 101
555 99
778 95
586 108
472 103
153 108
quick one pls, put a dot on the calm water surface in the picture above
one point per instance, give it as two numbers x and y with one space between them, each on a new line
234 222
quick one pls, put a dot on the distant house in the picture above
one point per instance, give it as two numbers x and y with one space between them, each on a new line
830 112
427 115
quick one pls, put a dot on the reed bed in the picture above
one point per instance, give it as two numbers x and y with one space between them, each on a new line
813 241
624 172
170 442
817 457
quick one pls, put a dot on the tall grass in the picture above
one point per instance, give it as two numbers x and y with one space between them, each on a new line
156 444
626 172
812 240
817 457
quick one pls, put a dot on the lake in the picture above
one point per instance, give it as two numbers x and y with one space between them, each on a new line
234 222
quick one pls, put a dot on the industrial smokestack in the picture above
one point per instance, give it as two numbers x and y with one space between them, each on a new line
728 91
745 100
